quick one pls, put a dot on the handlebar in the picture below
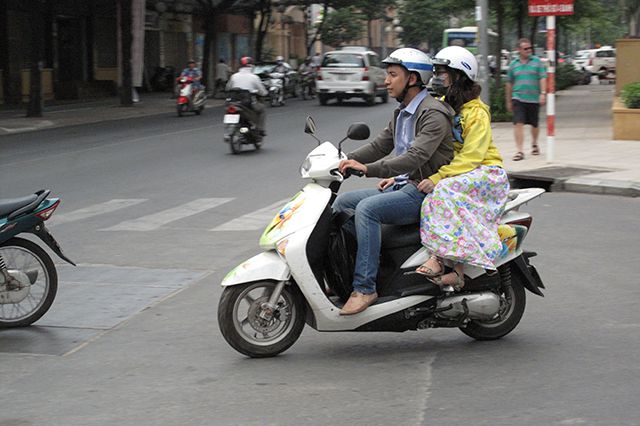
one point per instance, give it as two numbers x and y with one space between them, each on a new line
351 171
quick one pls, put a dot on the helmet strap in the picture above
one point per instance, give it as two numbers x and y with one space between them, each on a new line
408 86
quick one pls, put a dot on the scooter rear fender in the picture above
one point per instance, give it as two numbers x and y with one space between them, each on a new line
267 265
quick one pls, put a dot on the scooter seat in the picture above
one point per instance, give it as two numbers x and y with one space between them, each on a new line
9 205
394 236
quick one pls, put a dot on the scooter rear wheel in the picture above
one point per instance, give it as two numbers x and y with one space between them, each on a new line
34 270
243 324
511 311
235 142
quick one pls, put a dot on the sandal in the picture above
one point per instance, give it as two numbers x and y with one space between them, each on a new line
519 156
457 284
535 150
430 272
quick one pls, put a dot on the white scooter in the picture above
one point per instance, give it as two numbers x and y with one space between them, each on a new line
305 272
276 89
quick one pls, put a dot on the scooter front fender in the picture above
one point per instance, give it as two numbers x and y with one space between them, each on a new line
264 266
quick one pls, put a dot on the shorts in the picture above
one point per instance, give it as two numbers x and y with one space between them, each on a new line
525 112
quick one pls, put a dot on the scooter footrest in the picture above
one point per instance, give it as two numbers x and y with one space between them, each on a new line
426 289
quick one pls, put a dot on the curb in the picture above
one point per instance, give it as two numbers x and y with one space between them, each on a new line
597 186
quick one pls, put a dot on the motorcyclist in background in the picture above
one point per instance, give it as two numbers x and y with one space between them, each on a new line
195 74
245 79
282 68
308 73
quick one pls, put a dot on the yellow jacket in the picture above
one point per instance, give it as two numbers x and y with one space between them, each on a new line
478 148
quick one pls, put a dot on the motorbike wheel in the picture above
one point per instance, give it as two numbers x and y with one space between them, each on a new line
274 99
322 99
36 273
235 142
512 304
182 109
241 324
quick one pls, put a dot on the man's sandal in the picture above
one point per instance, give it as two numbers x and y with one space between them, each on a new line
457 284
430 272
519 156
535 150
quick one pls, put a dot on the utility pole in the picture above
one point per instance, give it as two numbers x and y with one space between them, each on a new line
483 51
124 14
34 109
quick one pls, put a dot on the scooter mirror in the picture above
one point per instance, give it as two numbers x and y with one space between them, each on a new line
310 126
358 131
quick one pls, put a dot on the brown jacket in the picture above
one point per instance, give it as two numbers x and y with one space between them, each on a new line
431 149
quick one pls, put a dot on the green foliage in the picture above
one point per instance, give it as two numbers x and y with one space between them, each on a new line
423 21
567 76
631 95
499 111
341 26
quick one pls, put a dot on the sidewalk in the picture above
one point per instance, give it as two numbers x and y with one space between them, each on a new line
585 158
13 121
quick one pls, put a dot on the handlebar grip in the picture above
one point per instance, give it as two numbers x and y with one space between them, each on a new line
351 171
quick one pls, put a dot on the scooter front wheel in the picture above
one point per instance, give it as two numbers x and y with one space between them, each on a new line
33 286
251 328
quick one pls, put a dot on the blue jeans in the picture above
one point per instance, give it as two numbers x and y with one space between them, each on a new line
372 209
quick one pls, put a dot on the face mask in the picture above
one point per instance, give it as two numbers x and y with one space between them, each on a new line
437 83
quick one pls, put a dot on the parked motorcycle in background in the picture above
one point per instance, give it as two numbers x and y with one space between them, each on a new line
28 277
189 99
276 89
239 121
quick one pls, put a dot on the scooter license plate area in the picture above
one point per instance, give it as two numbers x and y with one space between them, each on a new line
231 118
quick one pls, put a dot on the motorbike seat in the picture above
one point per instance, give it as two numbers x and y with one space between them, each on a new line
9 205
394 236
241 96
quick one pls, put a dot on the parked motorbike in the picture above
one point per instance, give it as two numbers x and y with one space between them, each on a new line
308 85
276 89
163 78
189 100
305 272
239 121
28 278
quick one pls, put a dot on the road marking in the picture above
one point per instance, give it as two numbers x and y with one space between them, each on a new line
96 209
252 221
159 219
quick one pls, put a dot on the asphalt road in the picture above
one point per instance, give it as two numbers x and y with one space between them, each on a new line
157 210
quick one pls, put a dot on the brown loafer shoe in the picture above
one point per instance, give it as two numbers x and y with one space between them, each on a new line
358 302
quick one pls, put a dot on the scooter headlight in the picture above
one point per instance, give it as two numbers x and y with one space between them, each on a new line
305 167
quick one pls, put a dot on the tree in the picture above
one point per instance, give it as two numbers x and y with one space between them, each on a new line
632 9
423 21
209 10
372 10
341 27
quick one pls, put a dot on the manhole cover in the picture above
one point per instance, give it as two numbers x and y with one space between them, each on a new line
545 177
553 173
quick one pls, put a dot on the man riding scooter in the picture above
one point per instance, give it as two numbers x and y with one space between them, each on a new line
245 79
419 134
195 74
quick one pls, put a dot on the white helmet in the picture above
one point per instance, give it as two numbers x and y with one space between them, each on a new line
458 58
413 60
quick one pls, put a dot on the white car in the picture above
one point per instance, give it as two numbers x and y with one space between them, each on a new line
351 73
596 61
602 61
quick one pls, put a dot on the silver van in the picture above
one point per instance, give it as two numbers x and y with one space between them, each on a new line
351 73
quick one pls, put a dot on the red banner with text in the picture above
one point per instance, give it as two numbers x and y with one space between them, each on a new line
550 7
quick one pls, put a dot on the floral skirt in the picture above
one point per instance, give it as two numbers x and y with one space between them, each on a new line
459 219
